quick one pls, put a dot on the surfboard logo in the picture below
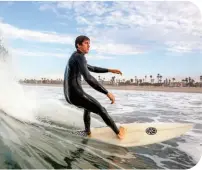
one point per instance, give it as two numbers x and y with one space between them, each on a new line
151 131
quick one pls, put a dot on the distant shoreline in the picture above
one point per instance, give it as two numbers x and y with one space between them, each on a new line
136 88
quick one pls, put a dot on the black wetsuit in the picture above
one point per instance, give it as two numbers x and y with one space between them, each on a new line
76 67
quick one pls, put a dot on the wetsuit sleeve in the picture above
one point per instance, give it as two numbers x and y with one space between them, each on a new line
97 69
82 64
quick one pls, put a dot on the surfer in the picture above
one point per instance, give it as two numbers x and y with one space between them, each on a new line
76 67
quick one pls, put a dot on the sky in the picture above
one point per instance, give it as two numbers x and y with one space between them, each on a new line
138 38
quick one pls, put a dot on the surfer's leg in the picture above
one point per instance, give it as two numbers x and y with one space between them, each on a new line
86 118
92 105
107 119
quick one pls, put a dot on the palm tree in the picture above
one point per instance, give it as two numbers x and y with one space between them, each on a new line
186 80
151 78
113 79
158 76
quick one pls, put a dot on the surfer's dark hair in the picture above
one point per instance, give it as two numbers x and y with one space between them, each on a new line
79 40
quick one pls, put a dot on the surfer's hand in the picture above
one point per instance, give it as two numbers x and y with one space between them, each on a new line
111 97
115 71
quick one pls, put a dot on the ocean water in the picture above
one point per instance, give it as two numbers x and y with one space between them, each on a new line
34 121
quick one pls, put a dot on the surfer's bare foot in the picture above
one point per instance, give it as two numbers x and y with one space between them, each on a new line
122 132
89 134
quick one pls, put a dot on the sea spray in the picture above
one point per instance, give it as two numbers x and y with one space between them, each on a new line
13 100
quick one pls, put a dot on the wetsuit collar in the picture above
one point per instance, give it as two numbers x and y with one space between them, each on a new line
80 51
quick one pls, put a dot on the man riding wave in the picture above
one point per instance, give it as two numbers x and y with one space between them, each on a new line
74 94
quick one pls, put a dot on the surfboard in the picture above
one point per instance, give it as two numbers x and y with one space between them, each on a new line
139 134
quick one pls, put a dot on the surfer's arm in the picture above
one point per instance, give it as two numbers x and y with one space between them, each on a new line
97 69
82 64
102 70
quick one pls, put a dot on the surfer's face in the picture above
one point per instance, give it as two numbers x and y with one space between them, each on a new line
84 47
